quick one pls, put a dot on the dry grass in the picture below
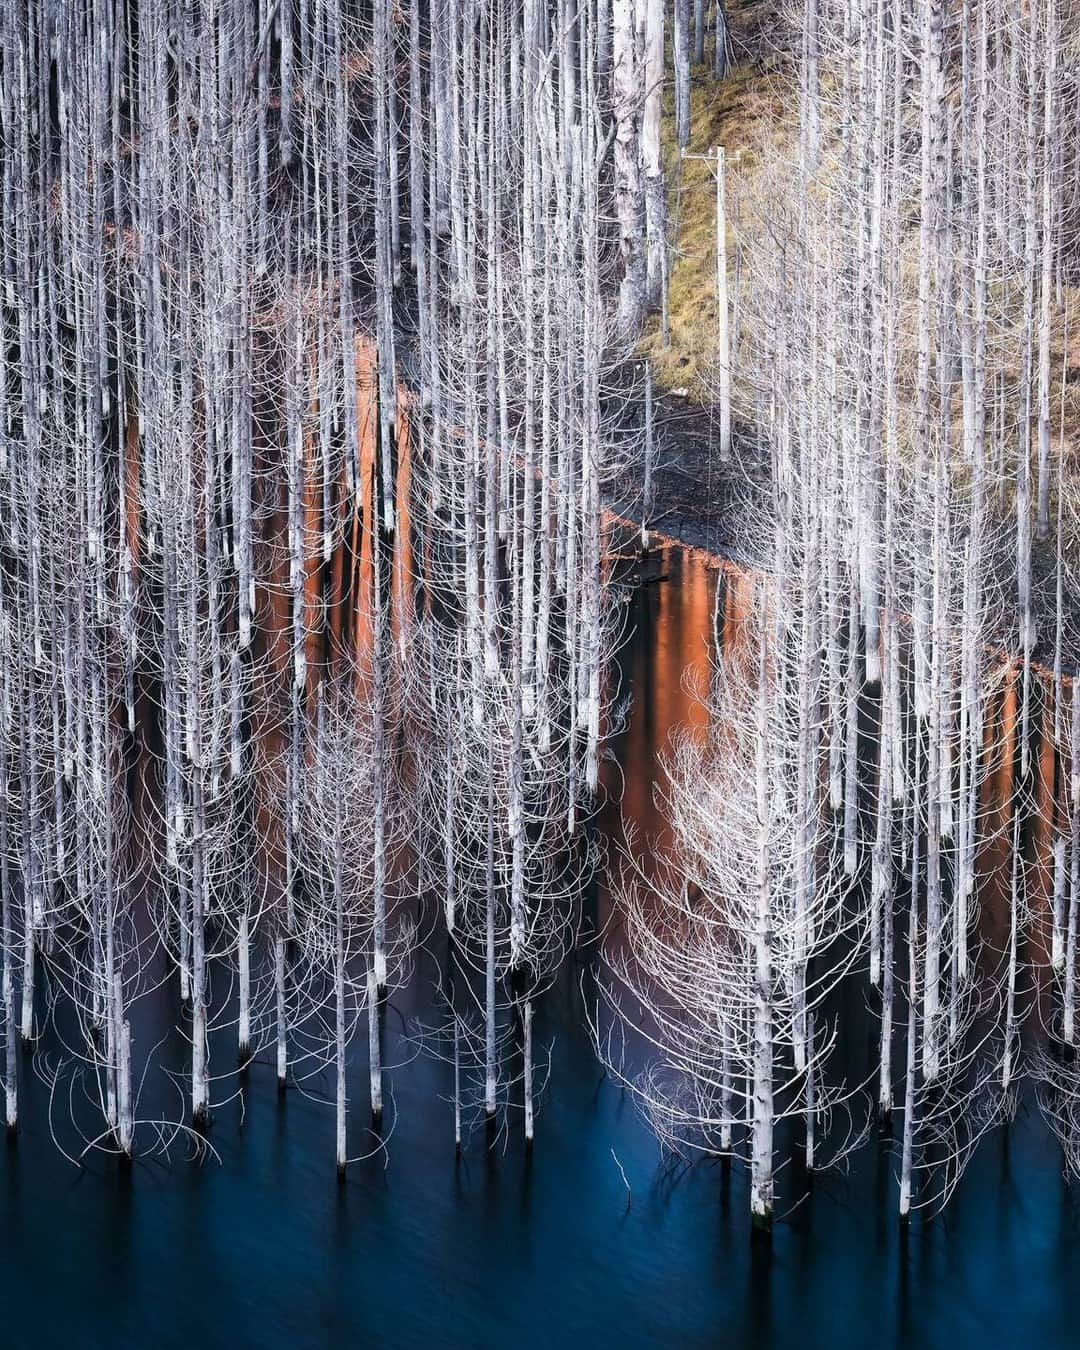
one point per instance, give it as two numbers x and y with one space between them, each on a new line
746 113
753 115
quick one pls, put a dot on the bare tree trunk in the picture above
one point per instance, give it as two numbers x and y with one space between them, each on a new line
280 1024
374 1050
655 207
681 57
761 1184
723 328
629 203
1046 283
527 1018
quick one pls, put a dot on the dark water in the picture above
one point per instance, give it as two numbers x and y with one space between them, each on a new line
415 1249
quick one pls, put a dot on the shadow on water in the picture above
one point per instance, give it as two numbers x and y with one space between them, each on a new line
589 1242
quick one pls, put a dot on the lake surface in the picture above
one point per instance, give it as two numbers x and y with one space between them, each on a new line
264 1248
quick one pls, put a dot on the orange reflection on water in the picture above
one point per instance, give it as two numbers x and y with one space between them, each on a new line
361 596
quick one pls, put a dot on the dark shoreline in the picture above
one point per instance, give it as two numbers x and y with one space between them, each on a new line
703 503
698 499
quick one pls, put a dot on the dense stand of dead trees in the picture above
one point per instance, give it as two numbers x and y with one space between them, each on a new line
311 318
909 261
308 334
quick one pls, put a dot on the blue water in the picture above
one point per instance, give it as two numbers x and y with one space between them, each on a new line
264 1248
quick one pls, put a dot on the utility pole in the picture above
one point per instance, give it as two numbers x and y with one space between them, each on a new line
723 321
